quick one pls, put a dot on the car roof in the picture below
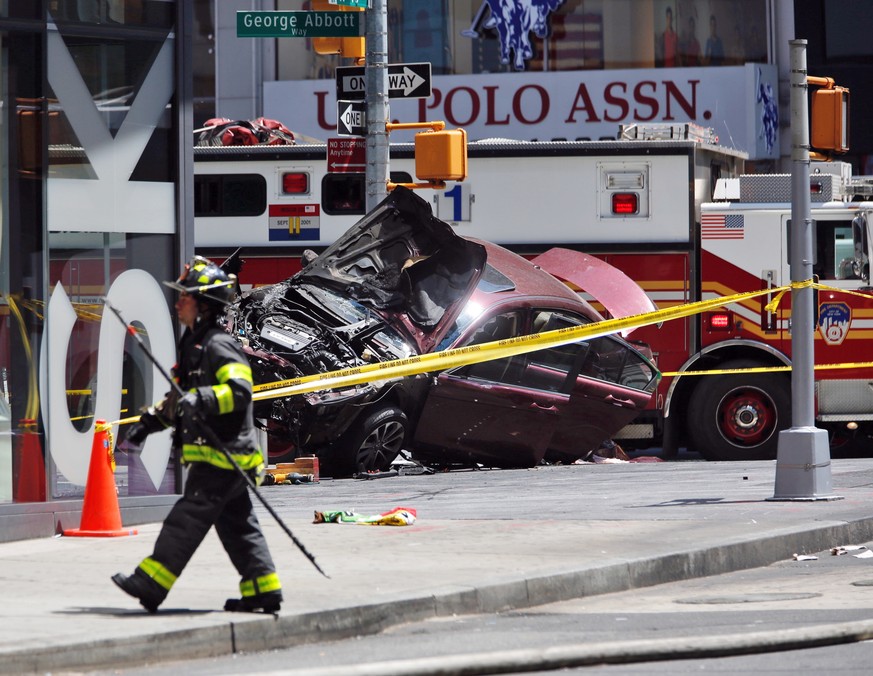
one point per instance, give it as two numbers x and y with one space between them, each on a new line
528 280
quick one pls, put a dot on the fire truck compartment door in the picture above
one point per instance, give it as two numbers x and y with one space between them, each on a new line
618 293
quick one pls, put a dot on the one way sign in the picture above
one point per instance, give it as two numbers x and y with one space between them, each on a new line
351 118
405 81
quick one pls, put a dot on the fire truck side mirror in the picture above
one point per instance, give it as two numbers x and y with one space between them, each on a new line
350 48
829 119
441 155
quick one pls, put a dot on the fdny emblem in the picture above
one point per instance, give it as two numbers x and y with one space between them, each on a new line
833 322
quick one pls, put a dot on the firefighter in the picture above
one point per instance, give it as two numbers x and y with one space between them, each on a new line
216 379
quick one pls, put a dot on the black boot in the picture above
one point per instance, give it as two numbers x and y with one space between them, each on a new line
268 602
142 587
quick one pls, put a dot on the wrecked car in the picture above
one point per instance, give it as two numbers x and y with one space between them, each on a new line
401 283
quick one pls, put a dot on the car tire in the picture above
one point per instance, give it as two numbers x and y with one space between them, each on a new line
733 417
376 440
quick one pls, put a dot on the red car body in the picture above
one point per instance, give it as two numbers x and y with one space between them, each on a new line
401 282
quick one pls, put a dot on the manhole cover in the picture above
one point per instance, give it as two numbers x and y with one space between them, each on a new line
750 598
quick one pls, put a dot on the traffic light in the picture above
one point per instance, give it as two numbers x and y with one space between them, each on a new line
441 155
350 48
829 117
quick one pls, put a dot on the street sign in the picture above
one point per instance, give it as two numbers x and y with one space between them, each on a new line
346 155
351 118
405 81
351 3
297 24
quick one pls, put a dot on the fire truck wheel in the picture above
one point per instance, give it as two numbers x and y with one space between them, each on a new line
733 417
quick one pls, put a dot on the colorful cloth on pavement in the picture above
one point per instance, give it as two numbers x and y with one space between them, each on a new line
399 516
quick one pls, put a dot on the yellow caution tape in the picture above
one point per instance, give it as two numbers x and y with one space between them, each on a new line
473 354
462 356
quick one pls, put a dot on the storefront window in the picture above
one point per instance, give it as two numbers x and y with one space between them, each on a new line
5 319
88 217
458 37
151 13
111 210
22 452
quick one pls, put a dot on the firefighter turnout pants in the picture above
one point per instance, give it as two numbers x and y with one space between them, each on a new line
220 498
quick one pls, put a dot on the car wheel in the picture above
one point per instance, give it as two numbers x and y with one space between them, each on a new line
376 440
733 417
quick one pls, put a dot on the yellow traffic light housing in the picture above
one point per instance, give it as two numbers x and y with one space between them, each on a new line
350 48
441 155
829 117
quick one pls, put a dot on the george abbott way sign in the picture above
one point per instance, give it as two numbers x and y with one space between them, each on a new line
297 24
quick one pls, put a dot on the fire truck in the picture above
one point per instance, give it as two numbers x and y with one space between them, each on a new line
667 205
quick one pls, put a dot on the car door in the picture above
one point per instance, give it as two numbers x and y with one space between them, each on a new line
485 412
613 384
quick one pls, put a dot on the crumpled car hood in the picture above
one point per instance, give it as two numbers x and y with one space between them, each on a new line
618 293
400 259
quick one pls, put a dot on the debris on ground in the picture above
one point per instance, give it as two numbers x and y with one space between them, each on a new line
376 474
399 516
845 549
272 479
303 470
610 453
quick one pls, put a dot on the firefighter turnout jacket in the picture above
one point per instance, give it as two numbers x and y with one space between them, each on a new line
212 365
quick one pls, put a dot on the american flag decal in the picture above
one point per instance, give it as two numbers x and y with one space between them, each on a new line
731 226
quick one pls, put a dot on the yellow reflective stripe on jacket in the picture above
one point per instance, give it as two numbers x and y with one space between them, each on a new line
234 371
223 397
158 572
213 456
260 585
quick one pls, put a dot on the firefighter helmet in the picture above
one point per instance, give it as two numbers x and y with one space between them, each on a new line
207 282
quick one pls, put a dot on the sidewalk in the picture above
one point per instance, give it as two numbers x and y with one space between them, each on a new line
484 541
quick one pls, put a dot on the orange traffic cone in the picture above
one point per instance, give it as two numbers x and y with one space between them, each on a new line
31 465
101 516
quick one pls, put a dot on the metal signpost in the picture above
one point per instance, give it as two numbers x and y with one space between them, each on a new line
377 102
803 463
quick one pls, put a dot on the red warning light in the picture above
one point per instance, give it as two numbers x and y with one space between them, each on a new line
625 203
720 321
295 183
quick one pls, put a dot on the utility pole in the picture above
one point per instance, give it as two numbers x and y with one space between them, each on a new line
376 78
803 463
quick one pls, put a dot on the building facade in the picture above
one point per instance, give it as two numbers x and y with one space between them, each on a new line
95 126
555 69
